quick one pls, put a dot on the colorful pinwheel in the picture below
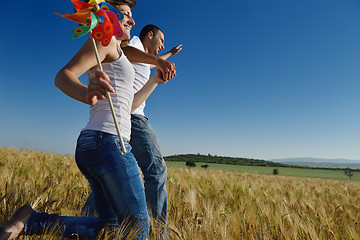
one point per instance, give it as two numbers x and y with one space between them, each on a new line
102 23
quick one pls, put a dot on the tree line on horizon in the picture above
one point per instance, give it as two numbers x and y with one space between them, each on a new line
240 161
224 160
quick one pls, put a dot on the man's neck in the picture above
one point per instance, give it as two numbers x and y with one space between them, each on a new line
146 49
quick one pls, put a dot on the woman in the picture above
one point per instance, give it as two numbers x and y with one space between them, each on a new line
113 177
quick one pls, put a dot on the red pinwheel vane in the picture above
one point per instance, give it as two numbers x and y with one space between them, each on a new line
101 21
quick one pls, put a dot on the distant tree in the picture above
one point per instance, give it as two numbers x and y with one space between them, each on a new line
348 172
205 166
275 171
191 163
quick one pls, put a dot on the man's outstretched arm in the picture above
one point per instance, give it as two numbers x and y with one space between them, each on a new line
136 55
173 51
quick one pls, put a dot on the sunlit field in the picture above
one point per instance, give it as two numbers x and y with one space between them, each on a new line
203 204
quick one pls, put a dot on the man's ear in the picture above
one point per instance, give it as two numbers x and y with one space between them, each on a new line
150 34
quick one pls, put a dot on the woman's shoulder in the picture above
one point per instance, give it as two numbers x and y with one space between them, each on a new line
113 51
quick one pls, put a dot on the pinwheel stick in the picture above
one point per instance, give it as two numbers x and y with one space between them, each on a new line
123 149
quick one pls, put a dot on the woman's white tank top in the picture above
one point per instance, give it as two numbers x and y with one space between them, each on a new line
121 74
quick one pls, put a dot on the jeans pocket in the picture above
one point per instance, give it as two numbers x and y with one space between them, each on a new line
86 146
87 141
86 150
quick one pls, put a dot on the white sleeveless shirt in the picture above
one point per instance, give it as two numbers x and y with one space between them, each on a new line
142 73
121 74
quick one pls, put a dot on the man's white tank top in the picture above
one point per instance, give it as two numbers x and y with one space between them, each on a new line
121 74
142 73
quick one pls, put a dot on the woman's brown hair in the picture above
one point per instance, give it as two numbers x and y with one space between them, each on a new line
130 3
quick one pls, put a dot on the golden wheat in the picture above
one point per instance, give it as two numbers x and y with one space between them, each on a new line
203 204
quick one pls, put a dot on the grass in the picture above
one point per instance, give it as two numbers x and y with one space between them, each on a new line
295 172
203 204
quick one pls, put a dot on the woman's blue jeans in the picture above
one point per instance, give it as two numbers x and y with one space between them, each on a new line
146 149
116 183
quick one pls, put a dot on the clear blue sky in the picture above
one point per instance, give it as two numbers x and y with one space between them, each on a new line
256 78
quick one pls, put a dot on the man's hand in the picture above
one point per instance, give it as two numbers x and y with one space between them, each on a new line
176 50
97 86
167 68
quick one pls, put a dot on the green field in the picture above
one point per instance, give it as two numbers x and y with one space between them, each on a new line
297 172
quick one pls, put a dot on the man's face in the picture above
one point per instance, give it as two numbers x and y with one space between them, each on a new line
156 43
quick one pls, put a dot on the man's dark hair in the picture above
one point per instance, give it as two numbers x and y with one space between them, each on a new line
147 29
130 3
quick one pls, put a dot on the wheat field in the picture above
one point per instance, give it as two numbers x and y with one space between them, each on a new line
203 204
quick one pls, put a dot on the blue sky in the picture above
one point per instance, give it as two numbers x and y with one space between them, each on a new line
256 78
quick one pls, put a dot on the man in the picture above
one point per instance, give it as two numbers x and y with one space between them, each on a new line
144 143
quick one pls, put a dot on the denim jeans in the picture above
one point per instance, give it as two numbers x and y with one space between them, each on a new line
146 150
117 187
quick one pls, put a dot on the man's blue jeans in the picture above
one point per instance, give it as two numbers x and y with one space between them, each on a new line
146 150
116 183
